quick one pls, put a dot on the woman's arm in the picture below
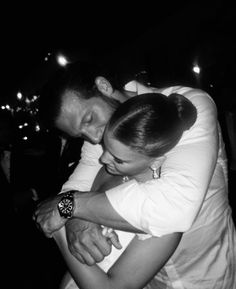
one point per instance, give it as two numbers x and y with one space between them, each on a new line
105 181
134 269
84 174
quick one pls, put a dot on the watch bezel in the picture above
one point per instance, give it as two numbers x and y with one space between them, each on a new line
66 205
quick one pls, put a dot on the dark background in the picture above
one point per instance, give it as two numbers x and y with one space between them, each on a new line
164 38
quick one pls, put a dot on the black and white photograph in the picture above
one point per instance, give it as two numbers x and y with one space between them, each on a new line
118 145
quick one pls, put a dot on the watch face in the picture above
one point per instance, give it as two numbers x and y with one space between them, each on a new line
65 207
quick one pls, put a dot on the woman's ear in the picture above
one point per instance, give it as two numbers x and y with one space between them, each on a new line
104 86
157 163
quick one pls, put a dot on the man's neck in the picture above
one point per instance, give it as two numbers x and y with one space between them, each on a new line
122 96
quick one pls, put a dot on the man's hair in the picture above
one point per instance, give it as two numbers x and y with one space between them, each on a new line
152 123
78 77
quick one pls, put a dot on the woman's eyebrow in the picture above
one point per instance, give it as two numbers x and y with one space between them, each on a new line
114 156
117 158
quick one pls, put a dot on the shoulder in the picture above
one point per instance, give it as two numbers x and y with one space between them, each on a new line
200 98
91 151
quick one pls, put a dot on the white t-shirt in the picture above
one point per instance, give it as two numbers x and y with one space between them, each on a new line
190 196
186 173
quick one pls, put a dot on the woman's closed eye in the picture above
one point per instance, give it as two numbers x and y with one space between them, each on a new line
118 161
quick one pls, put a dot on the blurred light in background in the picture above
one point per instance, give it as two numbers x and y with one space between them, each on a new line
196 69
19 95
62 60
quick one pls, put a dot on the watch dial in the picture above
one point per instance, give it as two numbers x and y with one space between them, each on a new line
66 206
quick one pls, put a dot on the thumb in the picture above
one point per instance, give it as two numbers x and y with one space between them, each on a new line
112 237
115 240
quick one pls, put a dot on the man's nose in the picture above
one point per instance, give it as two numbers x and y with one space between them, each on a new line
92 134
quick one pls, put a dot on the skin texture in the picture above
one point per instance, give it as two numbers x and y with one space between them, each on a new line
87 119
120 159
136 266
134 269
82 118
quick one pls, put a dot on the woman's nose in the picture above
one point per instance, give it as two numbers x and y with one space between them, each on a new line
105 158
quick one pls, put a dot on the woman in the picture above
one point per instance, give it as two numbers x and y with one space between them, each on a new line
136 139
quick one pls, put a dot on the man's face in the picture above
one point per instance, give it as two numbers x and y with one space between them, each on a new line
83 118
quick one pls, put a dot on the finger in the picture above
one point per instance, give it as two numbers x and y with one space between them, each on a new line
85 258
35 215
94 253
88 249
89 260
82 254
112 237
103 245
115 240
38 226
98 247
77 256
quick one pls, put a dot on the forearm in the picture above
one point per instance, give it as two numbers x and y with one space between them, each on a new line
95 207
86 277
134 269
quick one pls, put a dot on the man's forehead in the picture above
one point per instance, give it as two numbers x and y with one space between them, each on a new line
70 100
70 95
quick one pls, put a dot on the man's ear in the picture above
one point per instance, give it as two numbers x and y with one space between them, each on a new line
104 86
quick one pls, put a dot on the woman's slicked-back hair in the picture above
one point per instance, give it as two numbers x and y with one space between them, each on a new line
152 123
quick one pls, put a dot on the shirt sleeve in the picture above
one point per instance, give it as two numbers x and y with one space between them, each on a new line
84 174
171 203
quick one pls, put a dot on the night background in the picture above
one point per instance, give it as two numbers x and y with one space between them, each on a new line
167 40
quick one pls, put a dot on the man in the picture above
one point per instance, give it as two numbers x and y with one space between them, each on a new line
81 103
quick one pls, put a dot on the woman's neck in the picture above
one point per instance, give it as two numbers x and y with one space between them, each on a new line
143 177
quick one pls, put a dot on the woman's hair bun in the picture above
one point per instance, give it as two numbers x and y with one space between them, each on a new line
187 112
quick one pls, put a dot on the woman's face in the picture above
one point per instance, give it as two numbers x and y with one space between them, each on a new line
120 159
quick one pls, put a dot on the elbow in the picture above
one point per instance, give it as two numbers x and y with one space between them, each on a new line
183 220
179 221
183 224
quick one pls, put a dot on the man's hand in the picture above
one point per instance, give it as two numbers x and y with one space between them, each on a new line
47 216
87 243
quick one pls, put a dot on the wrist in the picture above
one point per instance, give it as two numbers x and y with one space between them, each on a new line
66 205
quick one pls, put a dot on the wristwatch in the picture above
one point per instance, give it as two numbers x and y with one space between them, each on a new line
66 205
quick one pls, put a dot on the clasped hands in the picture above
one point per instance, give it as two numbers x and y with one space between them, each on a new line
88 242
